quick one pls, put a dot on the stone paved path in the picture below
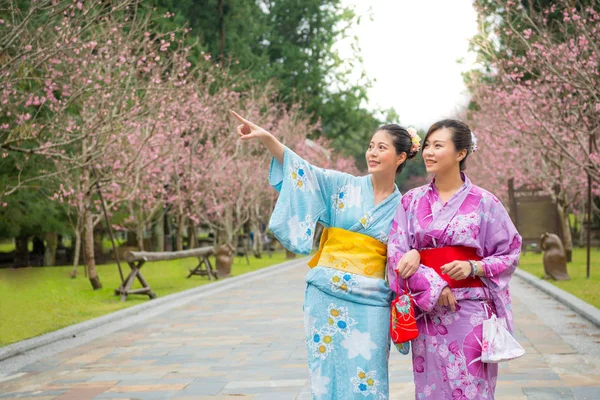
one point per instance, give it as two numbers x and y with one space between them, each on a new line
247 343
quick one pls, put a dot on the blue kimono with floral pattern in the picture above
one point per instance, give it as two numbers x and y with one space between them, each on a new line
346 315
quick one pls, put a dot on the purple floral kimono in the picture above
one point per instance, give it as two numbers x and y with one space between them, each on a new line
447 354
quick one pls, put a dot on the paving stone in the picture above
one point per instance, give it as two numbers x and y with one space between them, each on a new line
586 393
34 394
204 387
548 393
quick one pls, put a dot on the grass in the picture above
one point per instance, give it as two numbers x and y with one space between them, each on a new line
34 301
586 289
9 245
6 246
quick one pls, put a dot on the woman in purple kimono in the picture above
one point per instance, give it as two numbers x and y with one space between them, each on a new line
469 250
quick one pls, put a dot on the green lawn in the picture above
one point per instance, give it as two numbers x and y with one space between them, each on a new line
586 289
34 301
6 246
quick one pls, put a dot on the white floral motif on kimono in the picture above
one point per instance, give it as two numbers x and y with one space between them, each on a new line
346 197
299 177
339 319
342 282
321 341
318 383
359 343
366 220
300 231
383 237
365 382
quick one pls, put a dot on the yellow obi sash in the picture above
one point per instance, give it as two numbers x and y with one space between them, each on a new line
351 252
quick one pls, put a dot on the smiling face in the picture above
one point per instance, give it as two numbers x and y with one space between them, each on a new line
381 155
439 152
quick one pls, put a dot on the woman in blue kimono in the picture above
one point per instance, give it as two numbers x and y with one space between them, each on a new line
347 301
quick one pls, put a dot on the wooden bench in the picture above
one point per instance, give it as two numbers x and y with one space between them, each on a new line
136 260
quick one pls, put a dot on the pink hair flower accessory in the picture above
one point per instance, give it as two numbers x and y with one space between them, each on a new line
415 139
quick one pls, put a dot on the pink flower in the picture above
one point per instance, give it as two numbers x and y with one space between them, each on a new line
485 346
453 347
418 364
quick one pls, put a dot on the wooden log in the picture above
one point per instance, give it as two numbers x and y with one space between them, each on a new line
132 256
140 291
136 260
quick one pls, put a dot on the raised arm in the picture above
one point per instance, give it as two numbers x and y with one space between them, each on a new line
248 130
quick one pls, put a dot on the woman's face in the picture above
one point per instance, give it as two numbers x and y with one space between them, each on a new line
439 152
381 155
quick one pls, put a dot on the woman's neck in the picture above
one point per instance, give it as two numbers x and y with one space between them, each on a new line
448 183
382 185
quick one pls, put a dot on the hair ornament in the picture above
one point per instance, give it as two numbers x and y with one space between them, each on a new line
473 143
415 139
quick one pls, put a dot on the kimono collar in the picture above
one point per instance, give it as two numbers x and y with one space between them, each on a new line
465 186
435 227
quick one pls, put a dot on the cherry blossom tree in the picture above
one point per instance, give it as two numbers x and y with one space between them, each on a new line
536 104
117 108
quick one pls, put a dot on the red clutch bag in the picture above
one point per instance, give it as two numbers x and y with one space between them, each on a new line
403 325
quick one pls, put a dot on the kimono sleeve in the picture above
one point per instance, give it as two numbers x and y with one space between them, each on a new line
304 199
425 284
501 248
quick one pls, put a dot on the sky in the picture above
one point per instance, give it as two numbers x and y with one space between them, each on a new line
410 50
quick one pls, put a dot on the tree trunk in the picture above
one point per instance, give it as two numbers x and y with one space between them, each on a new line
192 238
235 242
228 227
132 239
582 227
90 257
566 231
158 232
77 250
99 255
21 252
51 244
169 236
257 245
140 235
180 231
221 34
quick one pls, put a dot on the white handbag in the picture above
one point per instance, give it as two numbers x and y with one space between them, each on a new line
497 343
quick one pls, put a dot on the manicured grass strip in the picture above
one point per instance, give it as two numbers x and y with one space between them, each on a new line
586 289
38 300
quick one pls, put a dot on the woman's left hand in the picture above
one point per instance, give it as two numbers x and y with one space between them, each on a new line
408 264
457 270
